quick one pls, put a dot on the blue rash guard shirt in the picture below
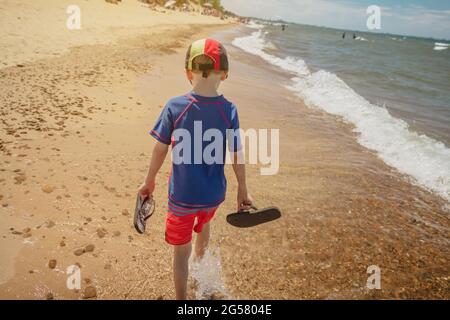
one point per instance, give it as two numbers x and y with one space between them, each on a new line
196 184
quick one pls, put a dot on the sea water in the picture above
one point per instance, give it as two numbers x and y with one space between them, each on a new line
394 90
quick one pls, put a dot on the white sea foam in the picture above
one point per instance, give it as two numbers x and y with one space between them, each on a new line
426 160
271 46
438 46
253 25
255 44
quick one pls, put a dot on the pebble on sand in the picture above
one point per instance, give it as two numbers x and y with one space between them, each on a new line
48 189
101 232
50 224
52 264
89 292
62 243
49 296
89 248
125 212
79 252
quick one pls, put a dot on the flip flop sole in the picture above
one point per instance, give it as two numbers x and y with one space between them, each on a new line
247 219
137 226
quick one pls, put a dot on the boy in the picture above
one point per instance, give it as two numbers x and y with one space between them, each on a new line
196 188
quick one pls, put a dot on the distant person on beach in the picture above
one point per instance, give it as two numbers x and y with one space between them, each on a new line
196 188
343 35
354 36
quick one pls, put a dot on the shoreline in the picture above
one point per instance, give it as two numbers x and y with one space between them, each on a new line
343 208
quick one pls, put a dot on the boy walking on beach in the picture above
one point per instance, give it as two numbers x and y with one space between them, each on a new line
197 183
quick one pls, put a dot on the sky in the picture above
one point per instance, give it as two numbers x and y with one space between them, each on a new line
424 18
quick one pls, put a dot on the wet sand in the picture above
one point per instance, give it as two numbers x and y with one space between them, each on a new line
75 147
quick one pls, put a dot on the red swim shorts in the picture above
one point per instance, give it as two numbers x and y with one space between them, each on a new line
179 226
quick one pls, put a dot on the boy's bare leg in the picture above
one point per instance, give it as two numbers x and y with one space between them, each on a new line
202 242
181 256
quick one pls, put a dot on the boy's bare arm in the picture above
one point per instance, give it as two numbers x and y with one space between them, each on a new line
244 201
158 156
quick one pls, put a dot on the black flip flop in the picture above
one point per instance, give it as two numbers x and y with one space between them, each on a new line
144 210
246 219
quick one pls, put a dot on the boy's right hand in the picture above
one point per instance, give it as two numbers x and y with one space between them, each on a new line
244 200
146 189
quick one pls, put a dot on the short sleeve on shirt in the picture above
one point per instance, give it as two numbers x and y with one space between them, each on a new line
162 131
234 137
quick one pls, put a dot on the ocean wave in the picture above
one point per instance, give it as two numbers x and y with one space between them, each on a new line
255 44
439 46
424 159
253 25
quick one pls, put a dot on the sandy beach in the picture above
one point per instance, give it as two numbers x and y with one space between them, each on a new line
75 114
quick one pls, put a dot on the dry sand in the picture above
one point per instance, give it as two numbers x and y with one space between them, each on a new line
74 148
37 29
